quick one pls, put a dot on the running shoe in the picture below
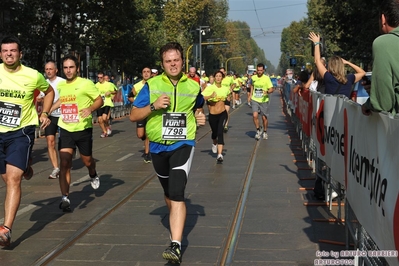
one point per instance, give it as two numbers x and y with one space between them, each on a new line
5 236
257 136
28 173
54 174
265 136
220 158
147 158
65 204
109 131
172 253
104 135
214 148
95 182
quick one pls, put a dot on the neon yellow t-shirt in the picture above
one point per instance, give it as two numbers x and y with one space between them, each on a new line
74 97
221 93
260 85
237 84
104 88
17 109
227 81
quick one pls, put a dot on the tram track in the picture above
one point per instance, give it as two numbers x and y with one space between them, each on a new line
233 231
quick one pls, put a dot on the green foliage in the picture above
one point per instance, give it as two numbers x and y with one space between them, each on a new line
349 27
295 43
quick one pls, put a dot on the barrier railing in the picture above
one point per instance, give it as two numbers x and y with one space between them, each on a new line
357 157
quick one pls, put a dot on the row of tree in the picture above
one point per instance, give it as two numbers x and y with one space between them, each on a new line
348 29
126 35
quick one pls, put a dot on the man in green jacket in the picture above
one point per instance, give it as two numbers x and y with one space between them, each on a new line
172 104
384 90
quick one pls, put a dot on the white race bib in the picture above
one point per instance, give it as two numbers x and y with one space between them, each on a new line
174 126
10 114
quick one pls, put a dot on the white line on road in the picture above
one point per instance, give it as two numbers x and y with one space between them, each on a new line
31 206
22 211
125 157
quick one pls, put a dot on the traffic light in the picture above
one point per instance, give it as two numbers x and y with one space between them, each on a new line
293 61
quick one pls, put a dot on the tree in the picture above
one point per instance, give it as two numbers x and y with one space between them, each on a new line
126 35
295 44
349 27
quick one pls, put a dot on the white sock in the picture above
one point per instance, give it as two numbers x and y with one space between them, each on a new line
178 242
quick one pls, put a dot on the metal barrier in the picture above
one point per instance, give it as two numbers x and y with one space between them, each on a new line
362 241
355 232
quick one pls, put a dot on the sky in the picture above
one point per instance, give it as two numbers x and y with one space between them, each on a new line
267 19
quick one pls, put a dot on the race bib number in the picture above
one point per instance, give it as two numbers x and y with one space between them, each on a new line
174 126
258 93
70 113
10 114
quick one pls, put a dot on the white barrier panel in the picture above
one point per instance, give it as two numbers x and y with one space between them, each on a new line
372 176
363 154
329 130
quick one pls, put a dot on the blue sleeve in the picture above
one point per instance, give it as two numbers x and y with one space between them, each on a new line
143 97
199 101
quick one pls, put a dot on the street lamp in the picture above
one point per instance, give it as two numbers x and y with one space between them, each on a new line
201 30
231 58
205 43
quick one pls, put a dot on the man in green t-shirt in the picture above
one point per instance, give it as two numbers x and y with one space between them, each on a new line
107 90
260 88
18 121
79 97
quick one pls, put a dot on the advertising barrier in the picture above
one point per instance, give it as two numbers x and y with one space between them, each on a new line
363 155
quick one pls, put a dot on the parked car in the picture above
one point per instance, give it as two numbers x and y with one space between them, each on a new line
359 91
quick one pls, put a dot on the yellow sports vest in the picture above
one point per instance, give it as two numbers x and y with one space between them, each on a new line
182 100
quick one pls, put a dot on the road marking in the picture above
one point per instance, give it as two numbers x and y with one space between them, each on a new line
80 180
125 157
22 211
31 206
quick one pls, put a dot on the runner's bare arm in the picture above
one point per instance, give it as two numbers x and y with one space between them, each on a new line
98 102
47 102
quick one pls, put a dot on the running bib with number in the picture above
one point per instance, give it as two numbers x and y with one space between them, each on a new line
70 113
10 114
258 92
174 126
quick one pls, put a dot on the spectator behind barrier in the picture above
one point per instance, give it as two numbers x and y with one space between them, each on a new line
316 82
336 82
302 80
384 90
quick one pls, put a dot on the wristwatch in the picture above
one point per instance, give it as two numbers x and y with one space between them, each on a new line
152 107
45 113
